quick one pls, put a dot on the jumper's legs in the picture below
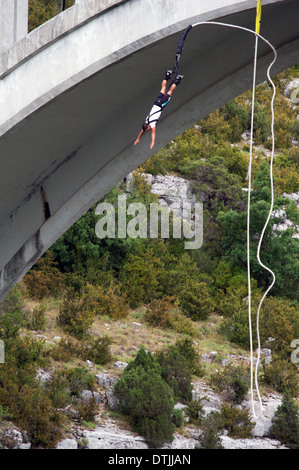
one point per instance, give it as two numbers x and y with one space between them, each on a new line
171 89
163 87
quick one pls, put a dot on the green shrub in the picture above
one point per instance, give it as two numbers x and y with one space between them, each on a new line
195 411
77 312
211 427
30 406
236 421
89 348
158 312
37 319
147 399
87 410
233 382
195 300
146 360
5 413
25 351
13 302
181 324
58 390
113 302
139 276
97 350
177 374
184 347
285 423
79 379
44 279
177 418
36 416
10 324
281 374
164 313
156 431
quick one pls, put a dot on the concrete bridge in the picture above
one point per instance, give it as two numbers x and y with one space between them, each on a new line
74 92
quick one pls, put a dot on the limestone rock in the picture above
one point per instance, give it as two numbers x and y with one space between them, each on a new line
67 444
105 380
104 437
88 395
112 400
120 365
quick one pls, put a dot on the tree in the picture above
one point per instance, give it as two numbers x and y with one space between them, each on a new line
279 249
146 397
285 424
211 427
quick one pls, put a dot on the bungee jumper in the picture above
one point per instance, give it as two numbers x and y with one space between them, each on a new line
163 98
160 102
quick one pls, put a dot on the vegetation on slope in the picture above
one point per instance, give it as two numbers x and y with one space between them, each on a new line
91 293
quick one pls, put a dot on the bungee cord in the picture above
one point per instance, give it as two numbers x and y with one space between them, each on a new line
178 56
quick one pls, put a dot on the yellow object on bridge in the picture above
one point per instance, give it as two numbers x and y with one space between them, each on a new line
258 17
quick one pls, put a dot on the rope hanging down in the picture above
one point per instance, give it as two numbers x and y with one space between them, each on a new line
257 37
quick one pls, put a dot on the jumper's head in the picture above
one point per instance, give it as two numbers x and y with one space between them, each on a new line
146 127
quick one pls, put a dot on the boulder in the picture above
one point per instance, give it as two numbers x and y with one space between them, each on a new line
67 444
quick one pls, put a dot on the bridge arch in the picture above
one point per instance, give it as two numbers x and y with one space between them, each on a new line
73 94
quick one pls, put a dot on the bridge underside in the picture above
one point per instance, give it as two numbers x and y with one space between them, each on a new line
66 155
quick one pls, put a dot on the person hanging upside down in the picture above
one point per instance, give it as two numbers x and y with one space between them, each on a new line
160 102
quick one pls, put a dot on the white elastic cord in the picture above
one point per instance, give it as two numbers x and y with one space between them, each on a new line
266 224
248 228
257 36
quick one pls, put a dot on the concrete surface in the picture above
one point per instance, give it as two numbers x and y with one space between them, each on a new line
13 22
74 92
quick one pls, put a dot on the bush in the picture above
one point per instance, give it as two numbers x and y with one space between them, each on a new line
195 300
77 313
58 390
10 324
97 350
34 413
30 407
233 382
140 274
5 413
79 379
178 363
25 351
181 324
44 279
87 410
93 349
236 421
177 374
177 418
195 411
158 312
165 314
113 302
146 397
285 423
13 302
281 374
37 319
185 348
148 400
211 427
156 431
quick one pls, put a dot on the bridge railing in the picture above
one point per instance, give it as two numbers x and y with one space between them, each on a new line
18 18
